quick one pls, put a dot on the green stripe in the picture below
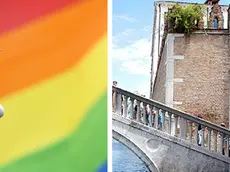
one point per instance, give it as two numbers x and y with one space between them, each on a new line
84 151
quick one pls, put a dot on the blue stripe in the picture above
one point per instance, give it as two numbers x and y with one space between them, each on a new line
103 168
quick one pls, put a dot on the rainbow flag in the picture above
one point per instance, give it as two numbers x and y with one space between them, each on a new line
53 65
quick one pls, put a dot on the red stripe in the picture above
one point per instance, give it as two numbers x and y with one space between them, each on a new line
14 13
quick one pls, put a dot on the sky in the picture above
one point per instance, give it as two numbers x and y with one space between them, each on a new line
132 24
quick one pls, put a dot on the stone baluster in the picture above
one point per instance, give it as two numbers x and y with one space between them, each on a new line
227 146
134 112
166 121
118 103
141 112
156 118
196 133
125 107
131 108
221 142
182 128
138 112
147 116
215 140
203 129
151 116
176 124
144 113
209 138
170 122
160 117
163 120
114 102
190 131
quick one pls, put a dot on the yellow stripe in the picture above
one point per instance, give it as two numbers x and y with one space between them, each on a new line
44 113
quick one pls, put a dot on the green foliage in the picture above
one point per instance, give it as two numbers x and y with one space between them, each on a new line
185 20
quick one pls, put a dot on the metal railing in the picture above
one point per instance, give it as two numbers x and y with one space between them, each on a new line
161 117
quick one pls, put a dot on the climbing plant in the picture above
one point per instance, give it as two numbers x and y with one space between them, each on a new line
185 20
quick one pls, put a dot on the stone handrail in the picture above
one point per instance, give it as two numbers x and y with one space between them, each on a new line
186 122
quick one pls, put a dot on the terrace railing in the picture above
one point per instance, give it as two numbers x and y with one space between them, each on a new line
188 127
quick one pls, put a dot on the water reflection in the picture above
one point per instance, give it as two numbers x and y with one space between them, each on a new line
124 160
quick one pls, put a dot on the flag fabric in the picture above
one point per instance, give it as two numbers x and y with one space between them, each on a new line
53 72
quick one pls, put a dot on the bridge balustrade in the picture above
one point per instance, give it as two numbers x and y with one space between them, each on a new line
214 137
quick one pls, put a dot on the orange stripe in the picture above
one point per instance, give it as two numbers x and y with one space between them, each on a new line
51 45
18 12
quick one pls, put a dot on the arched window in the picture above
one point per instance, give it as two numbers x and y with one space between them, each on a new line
215 23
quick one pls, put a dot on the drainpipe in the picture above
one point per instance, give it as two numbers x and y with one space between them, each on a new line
229 19
229 56
207 18
159 29
151 77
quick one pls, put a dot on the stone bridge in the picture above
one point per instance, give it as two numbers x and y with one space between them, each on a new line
173 146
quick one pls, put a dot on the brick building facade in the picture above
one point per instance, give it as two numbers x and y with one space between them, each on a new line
193 73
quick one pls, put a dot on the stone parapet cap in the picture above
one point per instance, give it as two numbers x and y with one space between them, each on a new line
187 3
212 31
172 35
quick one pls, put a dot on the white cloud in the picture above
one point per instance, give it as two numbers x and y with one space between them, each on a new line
121 35
137 67
135 57
148 29
124 17
139 49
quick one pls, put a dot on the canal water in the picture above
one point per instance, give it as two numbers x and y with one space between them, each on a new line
124 160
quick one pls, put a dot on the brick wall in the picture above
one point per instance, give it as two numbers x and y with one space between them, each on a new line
204 70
